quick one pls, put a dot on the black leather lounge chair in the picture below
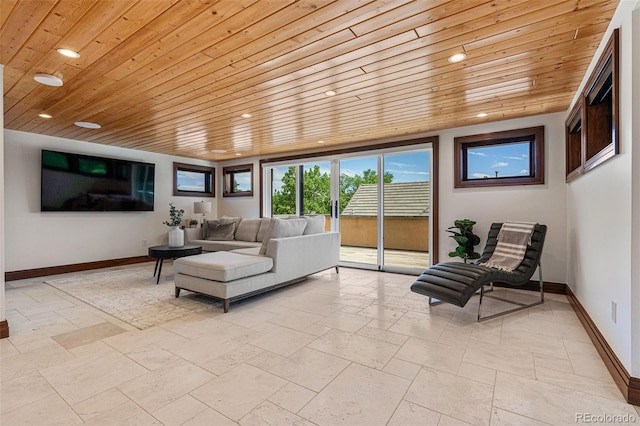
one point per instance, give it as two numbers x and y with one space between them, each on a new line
456 282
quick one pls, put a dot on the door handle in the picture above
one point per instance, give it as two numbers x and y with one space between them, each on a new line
337 209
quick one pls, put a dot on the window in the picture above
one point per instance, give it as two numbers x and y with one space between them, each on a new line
238 181
513 157
191 180
573 136
592 126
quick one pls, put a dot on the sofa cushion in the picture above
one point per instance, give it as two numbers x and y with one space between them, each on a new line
282 228
220 231
223 266
205 226
247 229
210 245
253 251
226 290
265 223
315 224
229 219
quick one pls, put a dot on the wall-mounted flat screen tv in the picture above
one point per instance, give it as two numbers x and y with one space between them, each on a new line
76 182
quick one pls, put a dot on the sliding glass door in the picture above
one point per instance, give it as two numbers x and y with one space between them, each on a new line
406 212
301 189
358 206
384 223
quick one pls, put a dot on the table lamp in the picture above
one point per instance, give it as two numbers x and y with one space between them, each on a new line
202 207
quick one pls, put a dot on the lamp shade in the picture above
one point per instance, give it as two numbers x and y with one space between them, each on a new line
202 207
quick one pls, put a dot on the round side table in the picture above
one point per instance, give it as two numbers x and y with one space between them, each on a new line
160 253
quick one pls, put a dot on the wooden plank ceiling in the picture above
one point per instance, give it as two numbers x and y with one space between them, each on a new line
176 76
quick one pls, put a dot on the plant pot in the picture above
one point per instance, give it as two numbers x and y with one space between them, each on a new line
176 237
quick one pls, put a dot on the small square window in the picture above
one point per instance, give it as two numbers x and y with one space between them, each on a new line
238 181
514 157
191 180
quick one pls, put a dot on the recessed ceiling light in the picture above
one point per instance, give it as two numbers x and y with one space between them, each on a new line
482 115
68 53
87 124
43 115
48 79
320 141
457 57
246 115
330 93
218 151
238 154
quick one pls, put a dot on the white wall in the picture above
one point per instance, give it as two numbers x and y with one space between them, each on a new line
35 239
536 203
544 204
600 217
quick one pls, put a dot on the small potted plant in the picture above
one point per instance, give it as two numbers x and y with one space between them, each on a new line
193 223
176 235
463 234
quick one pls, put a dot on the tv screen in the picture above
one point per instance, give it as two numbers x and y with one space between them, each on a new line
75 182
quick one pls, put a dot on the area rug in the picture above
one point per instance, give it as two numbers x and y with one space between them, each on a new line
131 295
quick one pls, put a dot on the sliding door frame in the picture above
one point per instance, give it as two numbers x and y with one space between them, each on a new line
363 149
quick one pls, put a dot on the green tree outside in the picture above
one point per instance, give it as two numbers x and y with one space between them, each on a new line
317 185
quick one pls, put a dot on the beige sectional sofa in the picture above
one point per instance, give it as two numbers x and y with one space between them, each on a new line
229 233
232 268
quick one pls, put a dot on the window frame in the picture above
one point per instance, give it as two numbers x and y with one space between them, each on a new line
228 177
536 157
210 180
608 66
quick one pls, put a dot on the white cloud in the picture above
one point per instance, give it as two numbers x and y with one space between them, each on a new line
479 154
350 173
524 172
325 171
480 175
500 164
404 172
396 164
515 158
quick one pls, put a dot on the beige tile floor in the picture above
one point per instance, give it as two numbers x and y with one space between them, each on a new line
356 348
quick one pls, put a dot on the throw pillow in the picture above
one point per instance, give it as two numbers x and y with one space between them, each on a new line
265 223
228 219
207 223
221 231
315 224
281 228
247 230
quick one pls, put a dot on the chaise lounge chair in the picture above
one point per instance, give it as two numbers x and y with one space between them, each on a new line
456 283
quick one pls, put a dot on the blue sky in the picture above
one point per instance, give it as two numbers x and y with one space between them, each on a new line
506 159
411 167
190 181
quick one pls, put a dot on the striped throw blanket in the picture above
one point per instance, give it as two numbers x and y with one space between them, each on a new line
513 239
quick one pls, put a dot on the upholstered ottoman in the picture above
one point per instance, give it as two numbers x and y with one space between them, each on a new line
223 275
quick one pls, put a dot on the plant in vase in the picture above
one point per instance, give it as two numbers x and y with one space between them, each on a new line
193 223
466 239
176 235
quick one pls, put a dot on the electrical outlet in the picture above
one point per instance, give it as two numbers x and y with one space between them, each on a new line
144 243
614 312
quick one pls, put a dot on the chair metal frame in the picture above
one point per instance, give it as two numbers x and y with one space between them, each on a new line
521 305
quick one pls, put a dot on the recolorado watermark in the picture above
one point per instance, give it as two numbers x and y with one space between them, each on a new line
606 418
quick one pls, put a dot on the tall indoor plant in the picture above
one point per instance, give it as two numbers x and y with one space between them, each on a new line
176 235
463 234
